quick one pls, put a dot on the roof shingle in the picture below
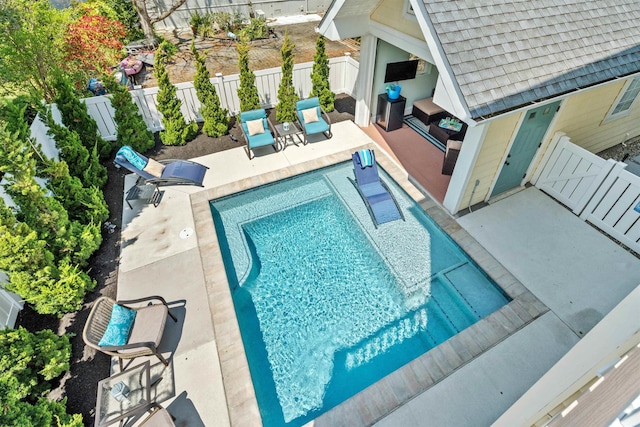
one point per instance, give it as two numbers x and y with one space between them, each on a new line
545 47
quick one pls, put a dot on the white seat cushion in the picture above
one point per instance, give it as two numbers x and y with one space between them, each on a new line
255 127
310 115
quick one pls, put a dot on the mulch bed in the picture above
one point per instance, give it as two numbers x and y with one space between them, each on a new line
88 367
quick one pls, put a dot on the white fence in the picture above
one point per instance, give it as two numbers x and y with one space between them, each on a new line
599 191
10 305
342 79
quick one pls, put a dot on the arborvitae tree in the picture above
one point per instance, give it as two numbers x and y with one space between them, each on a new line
13 115
216 121
83 163
176 130
30 362
68 240
86 205
287 97
247 91
320 77
76 118
33 273
39 249
132 130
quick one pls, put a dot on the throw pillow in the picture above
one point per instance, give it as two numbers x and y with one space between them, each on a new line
119 326
255 127
310 115
154 168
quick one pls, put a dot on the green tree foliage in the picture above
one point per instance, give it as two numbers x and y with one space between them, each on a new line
226 21
123 11
40 247
176 130
28 362
257 29
13 114
287 97
320 77
132 130
216 121
247 90
84 204
31 45
75 117
68 240
32 270
201 24
83 163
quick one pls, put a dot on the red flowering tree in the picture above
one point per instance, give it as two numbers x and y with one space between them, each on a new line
93 43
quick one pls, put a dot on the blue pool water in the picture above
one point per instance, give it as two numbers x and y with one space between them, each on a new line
327 304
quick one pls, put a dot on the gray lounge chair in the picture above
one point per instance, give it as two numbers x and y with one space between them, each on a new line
146 331
168 172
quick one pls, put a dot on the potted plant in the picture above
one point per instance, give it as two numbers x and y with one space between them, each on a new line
195 22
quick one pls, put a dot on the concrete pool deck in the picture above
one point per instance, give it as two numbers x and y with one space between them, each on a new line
171 250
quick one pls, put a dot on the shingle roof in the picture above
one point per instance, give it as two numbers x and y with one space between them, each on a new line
507 53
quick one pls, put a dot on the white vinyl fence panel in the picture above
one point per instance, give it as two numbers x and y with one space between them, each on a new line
342 79
10 305
572 174
599 191
615 208
102 112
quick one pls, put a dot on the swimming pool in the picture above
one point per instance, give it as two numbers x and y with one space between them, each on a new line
326 303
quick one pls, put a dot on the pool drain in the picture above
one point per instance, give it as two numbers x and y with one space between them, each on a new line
187 232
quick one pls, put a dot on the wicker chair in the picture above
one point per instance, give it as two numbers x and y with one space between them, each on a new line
159 417
145 334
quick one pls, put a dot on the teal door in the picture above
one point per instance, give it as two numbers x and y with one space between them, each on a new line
524 147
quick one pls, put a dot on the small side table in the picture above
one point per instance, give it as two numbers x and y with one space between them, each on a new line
147 192
109 410
283 135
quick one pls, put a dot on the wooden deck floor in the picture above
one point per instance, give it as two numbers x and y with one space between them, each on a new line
421 159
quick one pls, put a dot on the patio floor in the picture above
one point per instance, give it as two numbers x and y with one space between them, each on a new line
172 251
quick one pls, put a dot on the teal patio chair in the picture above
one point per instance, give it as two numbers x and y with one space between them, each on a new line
257 130
312 118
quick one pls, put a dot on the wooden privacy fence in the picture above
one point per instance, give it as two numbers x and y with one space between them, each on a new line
342 79
597 190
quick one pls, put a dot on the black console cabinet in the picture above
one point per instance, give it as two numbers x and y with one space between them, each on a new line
390 112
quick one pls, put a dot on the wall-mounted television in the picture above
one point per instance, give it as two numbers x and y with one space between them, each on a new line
405 70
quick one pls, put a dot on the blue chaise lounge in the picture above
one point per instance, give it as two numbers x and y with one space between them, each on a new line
381 204
163 172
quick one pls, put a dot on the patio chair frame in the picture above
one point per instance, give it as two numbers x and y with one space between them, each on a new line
147 178
258 113
98 320
311 103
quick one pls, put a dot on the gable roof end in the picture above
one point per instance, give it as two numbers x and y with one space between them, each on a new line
506 54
